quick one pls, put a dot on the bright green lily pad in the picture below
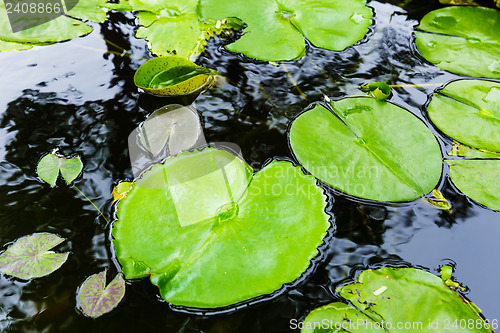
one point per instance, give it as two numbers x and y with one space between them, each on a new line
463 40
478 179
368 148
96 299
378 90
57 30
174 28
30 256
172 76
209 234
469 112
95 10
384 298
50 165
276 28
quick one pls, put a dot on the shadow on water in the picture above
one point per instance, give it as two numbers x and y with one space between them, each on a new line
86 104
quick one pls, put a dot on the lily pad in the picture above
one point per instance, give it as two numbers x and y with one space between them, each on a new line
60 29
368 148
386 299
469 112
120 190
174 28
463 40
466 151
30 256
96 299
177 125
478 179
172 76
378 90
50 165
209 234
276 29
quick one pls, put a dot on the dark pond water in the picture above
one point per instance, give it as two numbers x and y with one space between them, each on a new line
79 96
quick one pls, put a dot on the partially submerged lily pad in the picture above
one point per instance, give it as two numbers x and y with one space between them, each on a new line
384 298
96 299
463 40
478 179
210 234
172 76
469 112
177 125
368 148
50 165
31 256
276 29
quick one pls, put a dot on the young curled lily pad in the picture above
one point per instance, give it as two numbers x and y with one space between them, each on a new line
396 300
463 40
368 148
31 256
96 299
469 112
210 234
120 190
276 29
172 76
378 90
50 165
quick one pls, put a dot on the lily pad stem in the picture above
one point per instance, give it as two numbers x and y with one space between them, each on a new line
107 222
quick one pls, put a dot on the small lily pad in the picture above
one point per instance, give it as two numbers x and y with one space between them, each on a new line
177 125
120 190
172 76
368 148
478 179
50 165
30 256
394 309
210 234
276 29
96 299
469 112
463 40
378 90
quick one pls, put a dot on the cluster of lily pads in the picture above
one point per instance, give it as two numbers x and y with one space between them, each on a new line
364 147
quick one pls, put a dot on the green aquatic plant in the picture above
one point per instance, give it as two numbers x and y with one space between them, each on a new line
469 112
31 256
210 233
463 40
276 29
398 300
368 148
377 90
173 27
172 76
94 298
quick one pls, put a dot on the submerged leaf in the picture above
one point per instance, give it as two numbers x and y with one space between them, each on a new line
469 112
406 289
30 256
276 29
95 299
368 148
50 165
378 90
209 234
463 40
172 76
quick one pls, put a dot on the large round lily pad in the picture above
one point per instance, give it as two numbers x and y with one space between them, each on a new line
397 300
276 29
469 112
368 148
210 234
464 40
